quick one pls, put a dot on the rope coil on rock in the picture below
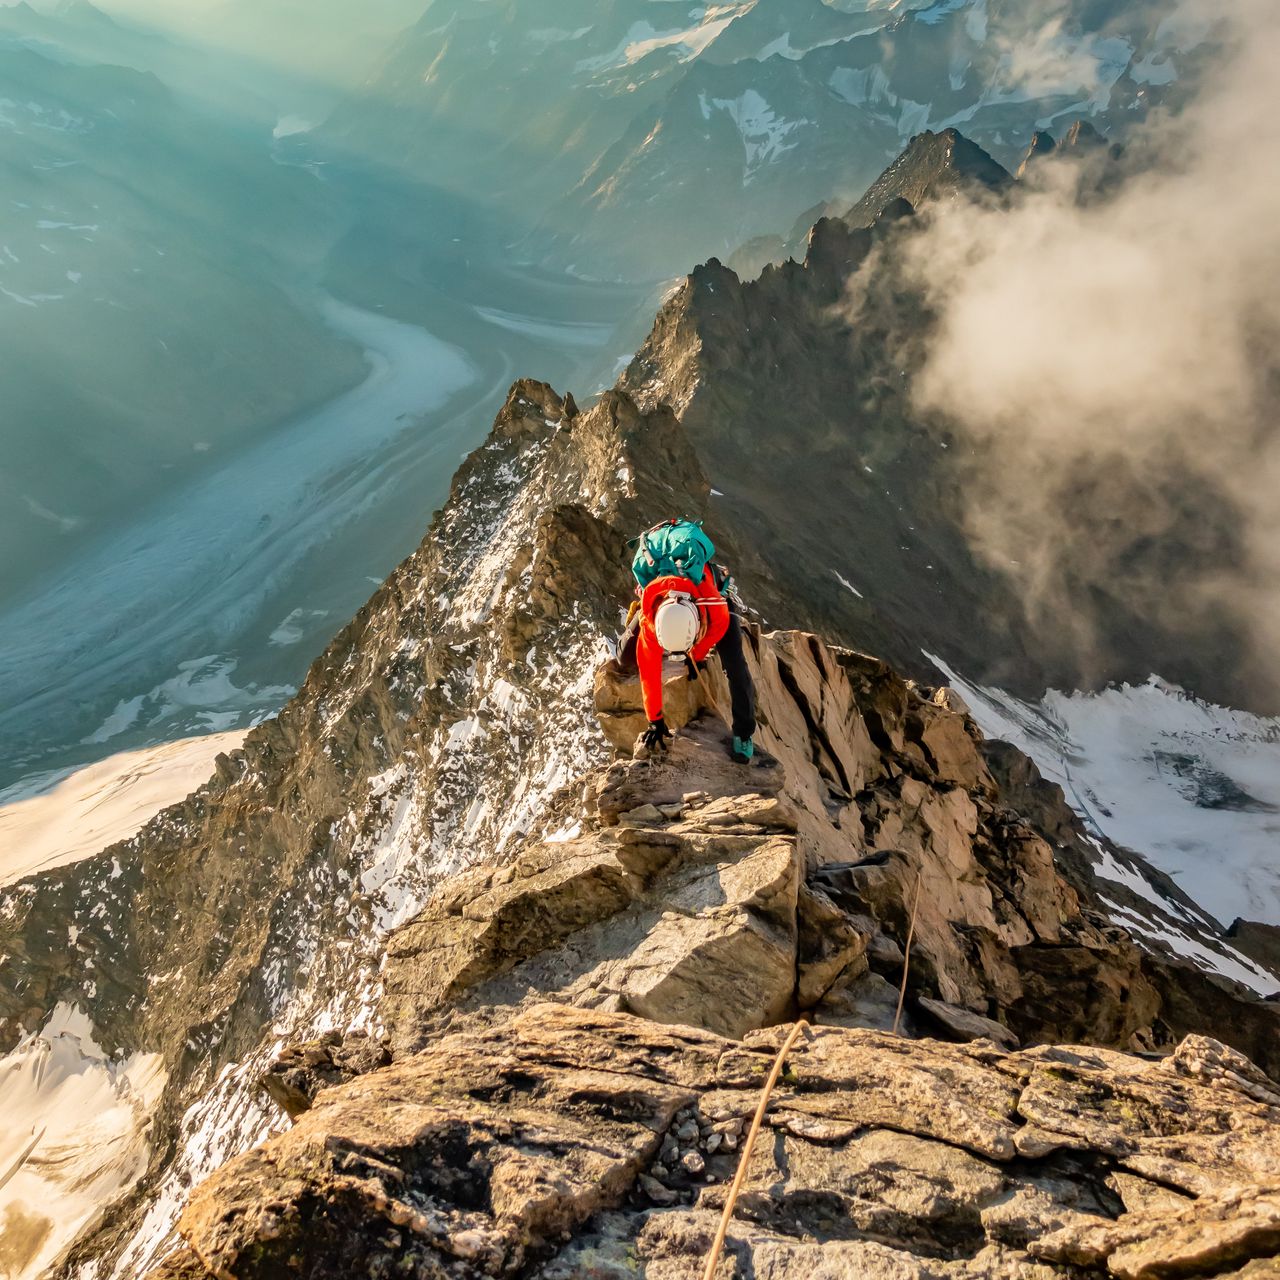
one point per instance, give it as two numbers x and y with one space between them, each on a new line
717 1248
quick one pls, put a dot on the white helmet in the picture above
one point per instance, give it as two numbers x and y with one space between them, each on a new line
677 625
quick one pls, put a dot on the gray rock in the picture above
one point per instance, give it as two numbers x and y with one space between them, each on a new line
964 1024
657 1192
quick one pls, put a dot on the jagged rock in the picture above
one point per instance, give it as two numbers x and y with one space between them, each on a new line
300 1071
1200 1058
488 923
933 164
1257 940
963 1024
832 944
875 811
864 1000
533 1147
696 760
620 710
725 970
1200 1238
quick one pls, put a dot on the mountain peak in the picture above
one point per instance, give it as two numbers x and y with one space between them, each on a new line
933 165
1081 136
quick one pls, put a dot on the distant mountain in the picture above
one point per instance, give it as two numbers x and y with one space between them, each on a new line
148 321
635 138
251 60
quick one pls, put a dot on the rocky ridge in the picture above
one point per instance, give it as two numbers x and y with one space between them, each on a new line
802 381
428 737
694 892
578 1143
680 909
432 840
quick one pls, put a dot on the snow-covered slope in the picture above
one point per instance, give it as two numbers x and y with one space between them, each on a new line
668 132
79 815
1193 787
75 1137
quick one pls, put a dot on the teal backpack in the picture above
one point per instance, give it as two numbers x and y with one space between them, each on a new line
677 547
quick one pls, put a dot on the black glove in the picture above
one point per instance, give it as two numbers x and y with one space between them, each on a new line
657 735
693 669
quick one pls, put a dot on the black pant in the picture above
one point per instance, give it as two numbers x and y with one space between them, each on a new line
742 689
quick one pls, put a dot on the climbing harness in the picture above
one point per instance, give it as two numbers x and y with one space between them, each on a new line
717 1248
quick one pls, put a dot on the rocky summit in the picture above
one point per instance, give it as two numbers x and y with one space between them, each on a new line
438 977
575 1038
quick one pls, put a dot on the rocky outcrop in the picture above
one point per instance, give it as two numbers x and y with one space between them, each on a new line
698 892
933 166
568 1143
1261 941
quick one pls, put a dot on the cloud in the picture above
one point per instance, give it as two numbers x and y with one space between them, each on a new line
1113 359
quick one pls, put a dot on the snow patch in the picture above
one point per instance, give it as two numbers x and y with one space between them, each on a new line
293 628
1193 787
1234 966
642 39
848 586
75 1136
764 133
93 808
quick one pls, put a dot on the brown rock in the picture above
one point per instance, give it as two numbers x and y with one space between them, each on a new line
830 942
964 1024
532 1146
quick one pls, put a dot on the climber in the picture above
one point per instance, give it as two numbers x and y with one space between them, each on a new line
686 608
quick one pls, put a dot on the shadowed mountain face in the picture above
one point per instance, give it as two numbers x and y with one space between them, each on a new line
665 133
800 382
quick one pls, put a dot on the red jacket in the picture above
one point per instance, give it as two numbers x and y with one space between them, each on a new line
714 610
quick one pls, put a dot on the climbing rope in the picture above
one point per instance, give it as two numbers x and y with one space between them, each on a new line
726 1218
717 1248
906 959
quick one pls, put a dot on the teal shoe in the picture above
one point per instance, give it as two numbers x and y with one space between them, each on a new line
743 750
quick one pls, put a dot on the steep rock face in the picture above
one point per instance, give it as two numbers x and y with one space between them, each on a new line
934 166
430 735
566 1143
696 892
801 382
